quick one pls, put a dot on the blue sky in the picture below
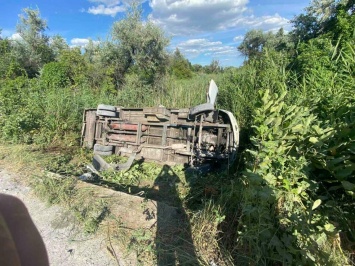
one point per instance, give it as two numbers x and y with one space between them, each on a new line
203 30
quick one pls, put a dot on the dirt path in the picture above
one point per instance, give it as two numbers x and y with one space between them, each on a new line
65 243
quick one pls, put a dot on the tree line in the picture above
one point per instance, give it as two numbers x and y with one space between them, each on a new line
132 47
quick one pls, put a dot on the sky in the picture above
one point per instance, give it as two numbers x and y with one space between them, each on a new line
203 30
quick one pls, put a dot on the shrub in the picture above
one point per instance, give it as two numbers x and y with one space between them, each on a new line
55 75
282 219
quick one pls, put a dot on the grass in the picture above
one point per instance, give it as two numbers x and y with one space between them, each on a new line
194 237
39 170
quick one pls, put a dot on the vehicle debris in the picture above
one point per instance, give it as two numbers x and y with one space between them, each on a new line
193 136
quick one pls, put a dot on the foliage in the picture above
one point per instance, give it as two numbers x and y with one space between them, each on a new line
316 54
75 65
55 75
256 40
239 87
32 50
330 94
56 190
213 67
18 123
38 111
325 17
137 173
9 66
62 164
279 196
57 44
140 47
100 68
180 66
305 27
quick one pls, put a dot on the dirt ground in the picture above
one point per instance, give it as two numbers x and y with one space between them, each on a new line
64 240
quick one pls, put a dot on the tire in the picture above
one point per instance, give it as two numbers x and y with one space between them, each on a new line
103 153
106 107
99 147
106 113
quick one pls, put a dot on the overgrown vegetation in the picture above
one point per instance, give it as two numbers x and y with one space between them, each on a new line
290 196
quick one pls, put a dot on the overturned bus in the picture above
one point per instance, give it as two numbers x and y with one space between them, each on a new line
196 136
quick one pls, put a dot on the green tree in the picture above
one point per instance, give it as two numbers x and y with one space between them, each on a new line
214 67
58 44
74 63
180 66
256 40
325 17
306 27
253 43
137 46
283 41
197 68
92 51
55 75
9 66
32 50
101 64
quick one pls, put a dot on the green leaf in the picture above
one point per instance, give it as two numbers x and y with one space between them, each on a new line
290 109
309 255
269 120
254 153
348 186
316 204
337 160
321 239
342 174
266 97
334 188
278 121
329 227
350 193
313 140
297 128
317 129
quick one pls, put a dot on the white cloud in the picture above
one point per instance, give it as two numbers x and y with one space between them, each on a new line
107 7
81 42
196 47
265 23
15 37
195 16
199 42
104 10
188 17
5 33
106 2
238 38
11 35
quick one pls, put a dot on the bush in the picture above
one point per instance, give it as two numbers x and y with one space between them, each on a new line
282 219
55 75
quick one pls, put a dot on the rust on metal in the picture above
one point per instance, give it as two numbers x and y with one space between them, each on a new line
128 127
125 138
